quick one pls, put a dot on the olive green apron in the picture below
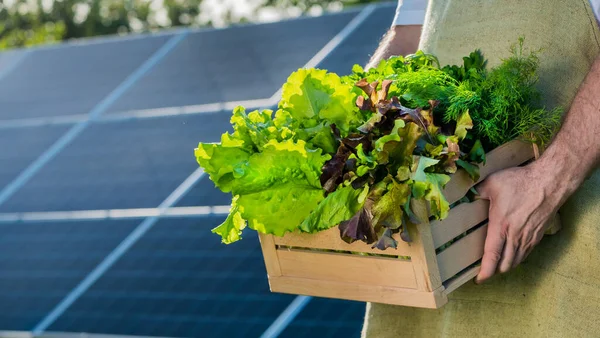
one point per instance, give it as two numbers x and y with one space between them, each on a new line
556 292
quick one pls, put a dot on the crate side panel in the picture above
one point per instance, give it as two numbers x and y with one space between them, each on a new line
359 292
347 268
460 219
462 253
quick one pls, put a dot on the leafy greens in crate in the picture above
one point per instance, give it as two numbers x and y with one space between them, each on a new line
352 151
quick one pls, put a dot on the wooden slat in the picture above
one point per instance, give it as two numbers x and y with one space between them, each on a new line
460 219
269 255
347 268
330 239
462 253
359 292
468 275
461 279
508 155
423 252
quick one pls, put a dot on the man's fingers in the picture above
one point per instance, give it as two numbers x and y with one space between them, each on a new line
508 256
492 252
520 257
525 250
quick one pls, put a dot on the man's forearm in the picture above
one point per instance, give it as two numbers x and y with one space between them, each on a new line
399 40
575 151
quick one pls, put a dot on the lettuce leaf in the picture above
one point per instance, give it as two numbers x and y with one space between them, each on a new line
221 163
388 209
430 186
231 229
284 176
339 206
314 96
279 209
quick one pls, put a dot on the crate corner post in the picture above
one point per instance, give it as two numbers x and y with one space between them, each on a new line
423 257
269 251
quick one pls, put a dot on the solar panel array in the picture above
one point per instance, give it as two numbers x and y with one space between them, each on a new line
89 127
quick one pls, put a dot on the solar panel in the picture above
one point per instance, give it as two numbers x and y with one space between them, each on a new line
327 318
41 262
180 281
132 164
71 79
21 146
240 63
204 193
9 59
358 47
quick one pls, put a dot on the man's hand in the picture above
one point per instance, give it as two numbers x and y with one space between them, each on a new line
521 203
522 200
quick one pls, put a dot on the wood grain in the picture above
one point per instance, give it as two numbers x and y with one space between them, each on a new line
359 292
347 268
462 253
460 219
423 253
269 255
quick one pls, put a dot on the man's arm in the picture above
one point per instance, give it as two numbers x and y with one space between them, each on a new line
399 40
517 221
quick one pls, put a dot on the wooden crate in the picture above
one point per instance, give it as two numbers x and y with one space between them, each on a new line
414 274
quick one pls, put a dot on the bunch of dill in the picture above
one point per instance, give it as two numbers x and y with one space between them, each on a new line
503 102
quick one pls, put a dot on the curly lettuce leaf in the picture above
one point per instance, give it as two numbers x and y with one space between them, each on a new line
221 163
314 94
388 209
437 201
385 144
253 130
358 228
283 177
279 163
339 206
235 170
430 186
231 229
279 209
463 124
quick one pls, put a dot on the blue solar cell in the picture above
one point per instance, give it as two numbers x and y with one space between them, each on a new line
239 63
71 79
204 193
133 164
327 318
180 281
360 45
22 146
41 262
9 59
